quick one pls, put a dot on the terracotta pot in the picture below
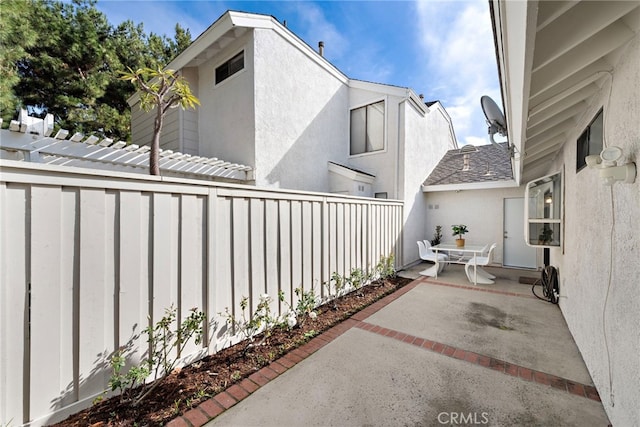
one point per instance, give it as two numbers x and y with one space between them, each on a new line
460 243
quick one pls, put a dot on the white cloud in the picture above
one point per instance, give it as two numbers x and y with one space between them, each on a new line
318 28
345 46
474 140
459 54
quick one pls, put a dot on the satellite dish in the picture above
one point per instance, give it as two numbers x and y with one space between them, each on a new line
496 121
495 118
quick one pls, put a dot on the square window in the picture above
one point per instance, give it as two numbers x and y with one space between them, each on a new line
230 67
367 128
590 142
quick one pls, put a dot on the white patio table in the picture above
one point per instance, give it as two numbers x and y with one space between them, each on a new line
457 255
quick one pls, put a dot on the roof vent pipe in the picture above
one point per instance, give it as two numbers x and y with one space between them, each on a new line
465 164
321 48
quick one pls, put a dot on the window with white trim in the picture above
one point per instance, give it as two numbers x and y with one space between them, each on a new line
230 67
367 128
544 205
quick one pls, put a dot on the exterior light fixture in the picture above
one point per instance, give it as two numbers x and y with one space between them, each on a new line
610 171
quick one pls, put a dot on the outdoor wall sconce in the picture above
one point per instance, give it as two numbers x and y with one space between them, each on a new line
610 171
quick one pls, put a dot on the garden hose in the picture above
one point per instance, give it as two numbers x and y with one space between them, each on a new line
549 283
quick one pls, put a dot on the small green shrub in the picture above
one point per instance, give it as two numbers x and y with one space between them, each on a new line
248 328
166 344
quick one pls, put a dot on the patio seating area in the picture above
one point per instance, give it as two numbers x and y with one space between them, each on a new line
436 352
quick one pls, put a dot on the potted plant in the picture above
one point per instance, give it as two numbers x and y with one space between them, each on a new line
546 235
459 230
437 237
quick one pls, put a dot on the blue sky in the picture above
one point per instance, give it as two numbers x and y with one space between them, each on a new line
442 49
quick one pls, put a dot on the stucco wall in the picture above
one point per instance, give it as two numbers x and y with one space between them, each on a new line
301 116
600 264
339 184
426 139
226 113
384 163
482 211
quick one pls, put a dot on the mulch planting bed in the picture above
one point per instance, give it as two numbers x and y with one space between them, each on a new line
186 388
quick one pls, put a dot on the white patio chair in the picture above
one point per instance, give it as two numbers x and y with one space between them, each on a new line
429 248
481 275
427 254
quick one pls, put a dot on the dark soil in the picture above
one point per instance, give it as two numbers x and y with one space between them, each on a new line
188 387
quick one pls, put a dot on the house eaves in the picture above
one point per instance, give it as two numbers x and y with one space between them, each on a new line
351 173
548 72
469 186
399 91
232 25
471 168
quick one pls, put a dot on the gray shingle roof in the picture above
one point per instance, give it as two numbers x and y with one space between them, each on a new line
486 163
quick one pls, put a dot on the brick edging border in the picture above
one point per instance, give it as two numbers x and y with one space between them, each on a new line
431 281
507 368
211 408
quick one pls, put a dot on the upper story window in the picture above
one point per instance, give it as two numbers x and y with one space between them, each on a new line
230 67
590 142
367 128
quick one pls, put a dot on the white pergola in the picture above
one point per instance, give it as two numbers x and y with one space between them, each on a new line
29 139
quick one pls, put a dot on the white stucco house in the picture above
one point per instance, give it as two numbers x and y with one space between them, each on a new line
570 79
272 102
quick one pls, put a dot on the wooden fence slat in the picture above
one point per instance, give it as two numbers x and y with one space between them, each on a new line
307 277
284 222
341 241
316 247
93 312
272 249
133 275
165 247
297 257
240 254
332 230
69 253
46 329
256 248
222 289
14 229
191 246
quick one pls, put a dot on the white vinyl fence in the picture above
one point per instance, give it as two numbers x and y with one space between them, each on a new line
87 256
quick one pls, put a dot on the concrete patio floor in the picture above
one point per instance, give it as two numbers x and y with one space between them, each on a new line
437 352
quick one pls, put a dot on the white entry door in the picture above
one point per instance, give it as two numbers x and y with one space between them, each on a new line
516 253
